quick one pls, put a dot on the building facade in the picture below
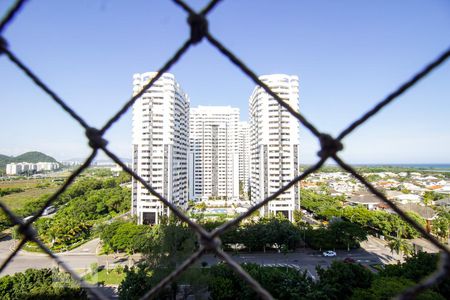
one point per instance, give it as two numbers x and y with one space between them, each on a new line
274 142
244 158
214 153
31 168
160 146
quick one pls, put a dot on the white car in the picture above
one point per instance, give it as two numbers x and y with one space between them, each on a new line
49 210
329 253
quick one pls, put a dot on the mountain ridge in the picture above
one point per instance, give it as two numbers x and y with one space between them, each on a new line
30 156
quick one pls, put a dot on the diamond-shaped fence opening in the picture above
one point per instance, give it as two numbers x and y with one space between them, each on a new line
209 240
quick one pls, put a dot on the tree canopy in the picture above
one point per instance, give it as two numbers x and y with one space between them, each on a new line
81 207
40 284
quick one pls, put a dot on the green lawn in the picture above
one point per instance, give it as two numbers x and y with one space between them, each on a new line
32 247
19 200
112 278
33 189
21 183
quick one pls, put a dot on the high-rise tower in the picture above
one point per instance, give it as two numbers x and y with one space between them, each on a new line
274 144
214 153
244 158
160 146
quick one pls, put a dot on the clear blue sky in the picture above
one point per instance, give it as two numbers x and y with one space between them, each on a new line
348 55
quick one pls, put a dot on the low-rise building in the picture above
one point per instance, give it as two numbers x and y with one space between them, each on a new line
370 201
407 198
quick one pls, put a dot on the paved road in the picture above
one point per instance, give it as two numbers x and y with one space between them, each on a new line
381 249
373 251
91 247
80 258
302 259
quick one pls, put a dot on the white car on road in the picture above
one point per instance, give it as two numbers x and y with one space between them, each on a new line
49 210
329 253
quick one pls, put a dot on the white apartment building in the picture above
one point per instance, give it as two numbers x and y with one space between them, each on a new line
274 144
13 169
24 167
213 153
160 146
244 156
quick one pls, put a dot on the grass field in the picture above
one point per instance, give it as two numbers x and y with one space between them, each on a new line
33 189
25 183
17 201
102 276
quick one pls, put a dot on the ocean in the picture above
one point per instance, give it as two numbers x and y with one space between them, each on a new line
422 167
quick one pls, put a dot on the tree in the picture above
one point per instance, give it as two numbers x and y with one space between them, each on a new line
123 177
241 187
409 231
191 203
322 205
430 196
273 231
340 279
320 238
348 234
385 288
171 243
87 202
400 245
440 226
279 231
373 177
136 283
281 282
201 206
417 267
298 217
40 284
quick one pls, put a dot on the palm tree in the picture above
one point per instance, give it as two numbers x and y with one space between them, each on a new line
52 234
400 245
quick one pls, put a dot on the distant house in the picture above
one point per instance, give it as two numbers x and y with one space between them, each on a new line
424 211
407 198
386 184
444 190
392 194
443 202
423 245
116 170
435 187
412 187
370 201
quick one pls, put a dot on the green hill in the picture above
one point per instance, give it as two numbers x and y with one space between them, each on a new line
31 157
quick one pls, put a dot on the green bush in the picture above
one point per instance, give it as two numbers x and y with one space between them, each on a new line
40 284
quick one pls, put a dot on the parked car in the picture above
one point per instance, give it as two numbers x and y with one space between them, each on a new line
49 210
329 253
27 218
349 260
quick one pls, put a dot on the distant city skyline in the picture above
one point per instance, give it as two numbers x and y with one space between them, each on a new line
348 56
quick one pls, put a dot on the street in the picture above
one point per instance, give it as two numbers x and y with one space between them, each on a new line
306 259
80 258
373 251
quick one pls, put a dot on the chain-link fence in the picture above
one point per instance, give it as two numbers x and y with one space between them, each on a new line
330 146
